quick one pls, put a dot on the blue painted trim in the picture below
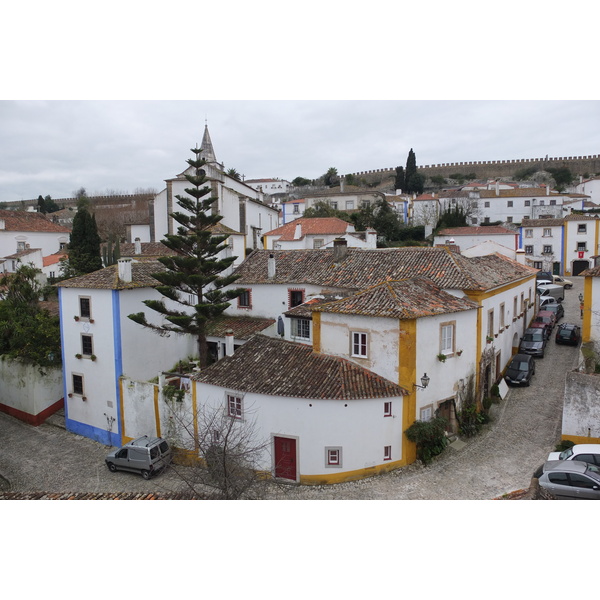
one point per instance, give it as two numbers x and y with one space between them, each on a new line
118 349
94 433
62 352
520 237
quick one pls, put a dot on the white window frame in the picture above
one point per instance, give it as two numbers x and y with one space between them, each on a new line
447 335
298 324
235 406
426 413
529 233
360 344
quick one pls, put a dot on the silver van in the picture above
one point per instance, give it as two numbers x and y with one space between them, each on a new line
550 290
144 455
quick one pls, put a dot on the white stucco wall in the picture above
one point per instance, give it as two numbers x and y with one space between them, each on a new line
581 409
357 426
25 389
48 243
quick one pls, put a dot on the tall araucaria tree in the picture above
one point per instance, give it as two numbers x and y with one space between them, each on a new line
193 276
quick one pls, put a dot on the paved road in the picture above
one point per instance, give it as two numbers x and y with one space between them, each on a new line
525 427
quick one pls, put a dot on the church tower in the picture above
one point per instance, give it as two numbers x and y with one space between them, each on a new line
208 152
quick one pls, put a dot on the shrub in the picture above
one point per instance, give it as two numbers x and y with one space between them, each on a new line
429 436
470 421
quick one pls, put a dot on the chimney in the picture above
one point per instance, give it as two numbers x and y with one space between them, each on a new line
271 267
342 183
124 266
520 256
298 231
2 224
547 190
340 249
229 346
497 188
138 245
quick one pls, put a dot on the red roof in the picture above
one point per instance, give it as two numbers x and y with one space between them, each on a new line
20 220
319 226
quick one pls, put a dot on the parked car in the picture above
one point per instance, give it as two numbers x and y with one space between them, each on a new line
520 370
570 479
547 301
558 280
568 333
144 455
533 342
547 318
589 453
549 289
541 326
556 308
544 277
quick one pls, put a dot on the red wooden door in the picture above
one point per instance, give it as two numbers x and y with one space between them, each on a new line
285 458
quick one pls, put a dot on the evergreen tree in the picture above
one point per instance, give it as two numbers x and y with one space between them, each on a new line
41 203
413 181
84 247
399 181
193 276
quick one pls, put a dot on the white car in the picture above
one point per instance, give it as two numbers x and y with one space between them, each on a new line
589 453
558 280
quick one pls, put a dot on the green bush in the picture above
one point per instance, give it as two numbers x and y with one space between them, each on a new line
470 421
429 436
563 445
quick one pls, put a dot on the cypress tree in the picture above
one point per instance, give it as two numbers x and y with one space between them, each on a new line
399 181
84 247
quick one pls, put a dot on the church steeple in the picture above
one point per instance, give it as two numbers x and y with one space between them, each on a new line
208 153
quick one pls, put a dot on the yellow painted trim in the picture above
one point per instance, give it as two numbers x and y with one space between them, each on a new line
581 439
122 411
337 477
407 376
566 267
195 413
156 411
596 237
478 296
316 319
586 326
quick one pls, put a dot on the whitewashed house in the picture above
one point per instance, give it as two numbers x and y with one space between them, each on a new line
542 242
326 419
468 237
100 344
23 230
580 243
318 233
240 205
424 210
588 187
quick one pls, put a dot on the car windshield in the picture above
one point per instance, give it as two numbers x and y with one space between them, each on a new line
564 455
534 337
565 333
520 365
593 471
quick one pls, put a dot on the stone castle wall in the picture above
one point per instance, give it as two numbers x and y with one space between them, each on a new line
494 168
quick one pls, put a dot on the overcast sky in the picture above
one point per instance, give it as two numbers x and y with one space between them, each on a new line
55 147
280 89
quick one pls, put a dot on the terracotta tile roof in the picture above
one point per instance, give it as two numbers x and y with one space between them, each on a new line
279 368
23 253
108 278
542 222
491 230
363 268
318 226
408 299
149 249
242 327
494 270
581 217
304 311
593 272
54 258
20 220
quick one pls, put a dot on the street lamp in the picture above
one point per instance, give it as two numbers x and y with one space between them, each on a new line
424 382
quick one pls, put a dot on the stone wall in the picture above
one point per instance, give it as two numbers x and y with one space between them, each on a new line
494 168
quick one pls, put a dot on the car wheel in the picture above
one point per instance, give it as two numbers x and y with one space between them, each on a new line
111 467
146 474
